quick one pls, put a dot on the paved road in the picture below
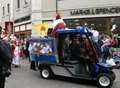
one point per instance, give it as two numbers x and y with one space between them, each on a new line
25 78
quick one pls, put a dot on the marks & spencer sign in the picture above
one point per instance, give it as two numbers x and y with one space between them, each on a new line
95 11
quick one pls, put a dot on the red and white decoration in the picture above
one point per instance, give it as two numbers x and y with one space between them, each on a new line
57 24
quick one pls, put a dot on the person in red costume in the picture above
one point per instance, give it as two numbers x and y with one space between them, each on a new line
57 24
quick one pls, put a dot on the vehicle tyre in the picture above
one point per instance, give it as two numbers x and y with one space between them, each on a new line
104 80
46 73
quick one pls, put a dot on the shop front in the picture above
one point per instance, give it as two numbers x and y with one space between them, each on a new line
98 18
23 34
23 31
102 24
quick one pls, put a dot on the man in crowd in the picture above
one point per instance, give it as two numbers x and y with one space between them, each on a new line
5 60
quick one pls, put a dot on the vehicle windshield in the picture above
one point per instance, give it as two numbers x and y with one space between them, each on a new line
74 46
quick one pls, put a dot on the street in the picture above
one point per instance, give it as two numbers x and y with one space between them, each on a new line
23 77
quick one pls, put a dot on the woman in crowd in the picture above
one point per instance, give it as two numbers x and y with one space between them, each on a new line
16 59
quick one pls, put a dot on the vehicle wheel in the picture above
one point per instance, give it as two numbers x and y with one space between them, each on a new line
46 73
104 80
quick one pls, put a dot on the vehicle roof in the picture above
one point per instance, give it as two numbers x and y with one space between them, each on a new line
41 39
82 30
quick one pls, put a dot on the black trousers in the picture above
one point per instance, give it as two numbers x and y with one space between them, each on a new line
2 81
34 65
2 78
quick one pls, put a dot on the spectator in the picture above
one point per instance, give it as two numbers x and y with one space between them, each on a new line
5 60
32 53
105 46
26 50
16 59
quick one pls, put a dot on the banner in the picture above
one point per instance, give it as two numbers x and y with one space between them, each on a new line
8 27
39 30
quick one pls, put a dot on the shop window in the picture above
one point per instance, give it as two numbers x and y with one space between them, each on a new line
3 8
8 8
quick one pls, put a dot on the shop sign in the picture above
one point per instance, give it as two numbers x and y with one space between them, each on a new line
95 11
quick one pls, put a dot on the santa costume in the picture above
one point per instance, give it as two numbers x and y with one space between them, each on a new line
57 24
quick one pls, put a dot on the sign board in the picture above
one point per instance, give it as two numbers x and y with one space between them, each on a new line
95 11
39 30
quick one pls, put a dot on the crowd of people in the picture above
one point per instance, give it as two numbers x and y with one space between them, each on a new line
19 49
12 50
106 43
22 49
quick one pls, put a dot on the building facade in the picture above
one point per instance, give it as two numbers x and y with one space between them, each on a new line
29 12
22 18
100 15
6 12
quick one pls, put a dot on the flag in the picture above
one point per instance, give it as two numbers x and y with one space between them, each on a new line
8 27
